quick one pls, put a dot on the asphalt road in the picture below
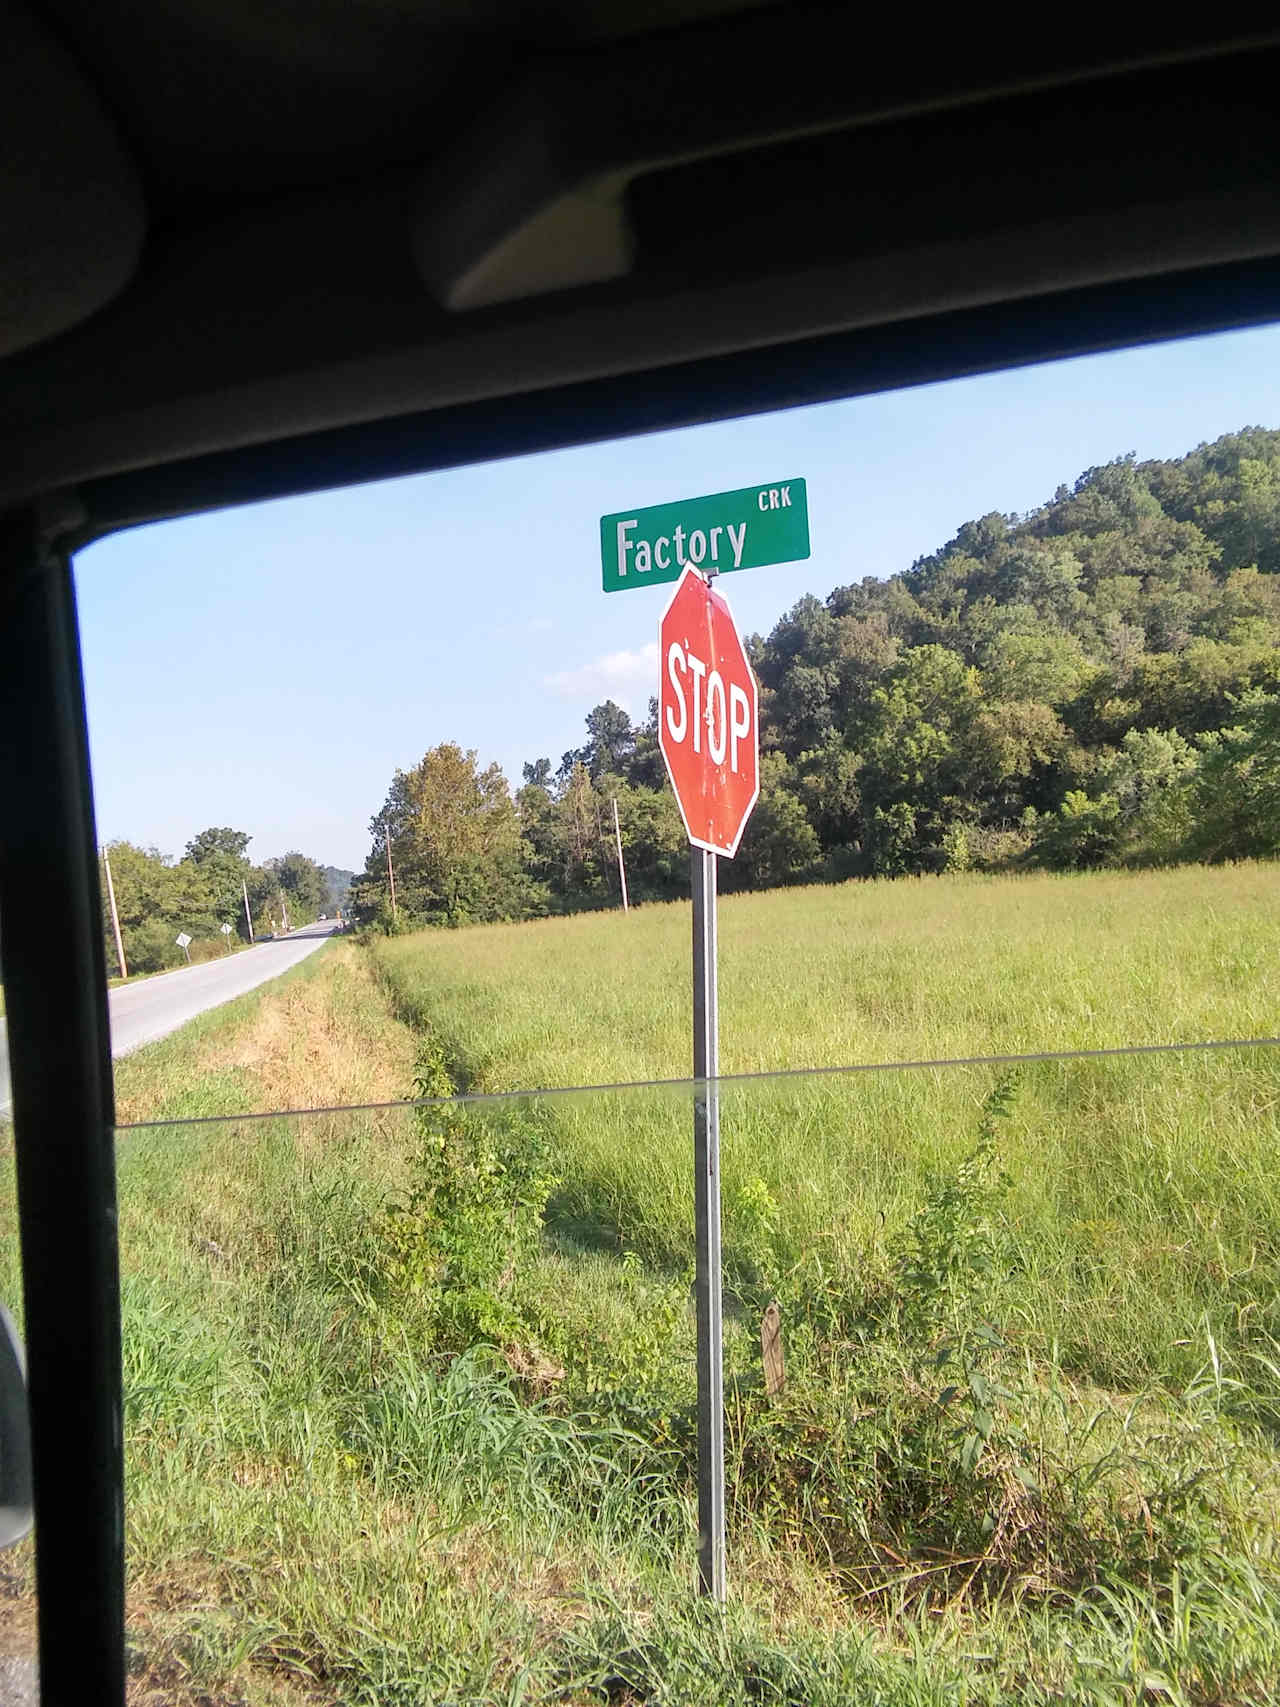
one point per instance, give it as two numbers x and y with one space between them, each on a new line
153 1007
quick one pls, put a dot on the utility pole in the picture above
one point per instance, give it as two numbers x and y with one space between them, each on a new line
622 870
284 912
391 877
115 917
248 916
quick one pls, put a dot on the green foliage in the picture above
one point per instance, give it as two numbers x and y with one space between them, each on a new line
456 846
1064 686
1010 671
611 742
150 946
779 845
568 825
460 1239
1074 686
220 856
157 897
1235 793
945 1261
1140 808
956 849
947 1283
291 888
1081 835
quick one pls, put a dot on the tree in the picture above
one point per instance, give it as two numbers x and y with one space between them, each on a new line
1084 676
155 899
653 842
220 856
232 843
456 842
301 884
611 740
1005 672
1082 833
645 767
1235 797
800 671
923 760
610 743
779 844
1036 665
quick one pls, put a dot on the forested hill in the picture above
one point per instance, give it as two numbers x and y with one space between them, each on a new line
1080 650
1097 682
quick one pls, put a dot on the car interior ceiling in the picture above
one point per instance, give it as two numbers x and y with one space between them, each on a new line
254 251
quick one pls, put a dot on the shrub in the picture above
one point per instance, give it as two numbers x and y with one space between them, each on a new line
466 1232
151 947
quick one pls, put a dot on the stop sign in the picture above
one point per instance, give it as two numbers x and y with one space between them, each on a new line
708 727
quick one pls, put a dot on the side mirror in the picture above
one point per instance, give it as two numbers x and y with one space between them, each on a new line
16 1513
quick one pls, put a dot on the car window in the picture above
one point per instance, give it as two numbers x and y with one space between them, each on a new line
395 788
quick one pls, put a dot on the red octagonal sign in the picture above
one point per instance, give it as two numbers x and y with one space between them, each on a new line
708 723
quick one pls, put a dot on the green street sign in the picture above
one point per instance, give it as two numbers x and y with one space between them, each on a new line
725 531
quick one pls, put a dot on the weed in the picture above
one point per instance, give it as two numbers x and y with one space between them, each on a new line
462 1236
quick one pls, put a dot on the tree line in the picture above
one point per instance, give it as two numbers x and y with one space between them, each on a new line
157 897
1094 683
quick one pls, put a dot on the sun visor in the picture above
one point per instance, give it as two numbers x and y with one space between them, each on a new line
71 210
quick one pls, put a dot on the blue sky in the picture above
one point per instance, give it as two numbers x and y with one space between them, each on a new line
270 667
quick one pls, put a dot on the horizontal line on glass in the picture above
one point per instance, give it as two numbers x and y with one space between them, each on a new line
777 1075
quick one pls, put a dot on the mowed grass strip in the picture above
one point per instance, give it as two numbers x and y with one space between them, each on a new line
318 1036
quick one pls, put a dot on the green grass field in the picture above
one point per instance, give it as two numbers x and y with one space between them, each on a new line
1140 1186
409 1394
884 971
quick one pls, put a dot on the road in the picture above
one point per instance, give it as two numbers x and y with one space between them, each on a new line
153 1007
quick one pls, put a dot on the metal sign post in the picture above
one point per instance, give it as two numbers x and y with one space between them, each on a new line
709 736
706 1210
708 732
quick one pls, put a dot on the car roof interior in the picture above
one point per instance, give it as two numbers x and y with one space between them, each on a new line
260 249
255 249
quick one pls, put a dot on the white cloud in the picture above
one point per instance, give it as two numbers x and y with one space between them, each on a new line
630 678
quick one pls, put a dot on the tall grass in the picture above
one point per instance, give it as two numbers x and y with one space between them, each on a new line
1138 1230
323 1490
1145 1199
913 969
384 1448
